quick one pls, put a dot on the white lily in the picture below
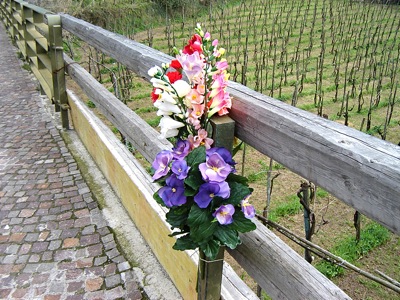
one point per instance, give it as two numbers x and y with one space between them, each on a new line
154 70
161 84
166 108
182 88
169 127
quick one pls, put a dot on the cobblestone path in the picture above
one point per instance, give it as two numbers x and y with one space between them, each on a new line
54 242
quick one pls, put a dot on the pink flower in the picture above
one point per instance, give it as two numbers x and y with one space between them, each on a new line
192 65
201 88
197 111
220 83
219 104
200 139
194 97
222 65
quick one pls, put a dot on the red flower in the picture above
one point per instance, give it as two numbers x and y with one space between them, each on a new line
154 96
175 64
194 45
174 76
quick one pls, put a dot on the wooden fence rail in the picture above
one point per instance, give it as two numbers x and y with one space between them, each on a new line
38 34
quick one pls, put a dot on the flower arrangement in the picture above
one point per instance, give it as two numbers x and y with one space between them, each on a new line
208 203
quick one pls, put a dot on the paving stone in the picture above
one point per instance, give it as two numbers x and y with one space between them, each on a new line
54 241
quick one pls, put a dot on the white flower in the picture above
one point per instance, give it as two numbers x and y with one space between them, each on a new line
161 84
167 97
154 70
166 108
169 127
182 88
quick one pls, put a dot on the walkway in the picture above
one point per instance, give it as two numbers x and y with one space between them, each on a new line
54 241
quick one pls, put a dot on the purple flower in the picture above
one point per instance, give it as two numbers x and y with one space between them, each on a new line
224 214
209 190
215 168
180 169
161 164
247 208
181 149
225 154
173 194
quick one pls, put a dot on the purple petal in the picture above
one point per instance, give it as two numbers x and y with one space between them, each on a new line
180 169
215 169
181 149
161 164
224 214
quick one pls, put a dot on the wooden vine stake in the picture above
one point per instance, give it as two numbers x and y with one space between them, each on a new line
209 276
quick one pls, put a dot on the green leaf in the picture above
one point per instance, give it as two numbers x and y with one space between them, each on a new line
201 224
197 156
190 192
238 192
184 243
237 148
237 178
198 216
227 236
241 223
194 180
177 216
158 199
210 249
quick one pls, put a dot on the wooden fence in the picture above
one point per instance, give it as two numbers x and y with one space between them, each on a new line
38 35
361 170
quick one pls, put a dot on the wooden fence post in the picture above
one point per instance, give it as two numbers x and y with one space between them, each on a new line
57 67
210 271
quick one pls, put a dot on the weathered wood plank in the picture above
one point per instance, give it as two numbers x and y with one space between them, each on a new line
135 129
360 170
279 270
137 57
135 188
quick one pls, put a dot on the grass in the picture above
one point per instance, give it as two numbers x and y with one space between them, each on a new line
287 208
372 236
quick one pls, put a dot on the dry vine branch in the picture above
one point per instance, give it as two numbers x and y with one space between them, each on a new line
325 254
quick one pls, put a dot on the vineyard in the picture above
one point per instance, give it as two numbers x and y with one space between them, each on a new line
339 59
336 58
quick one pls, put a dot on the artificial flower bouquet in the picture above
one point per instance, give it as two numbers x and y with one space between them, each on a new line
208 202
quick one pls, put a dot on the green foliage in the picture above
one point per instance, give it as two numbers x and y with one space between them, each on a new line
292 206
90 104
372 236
322 193
154 121
26 67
